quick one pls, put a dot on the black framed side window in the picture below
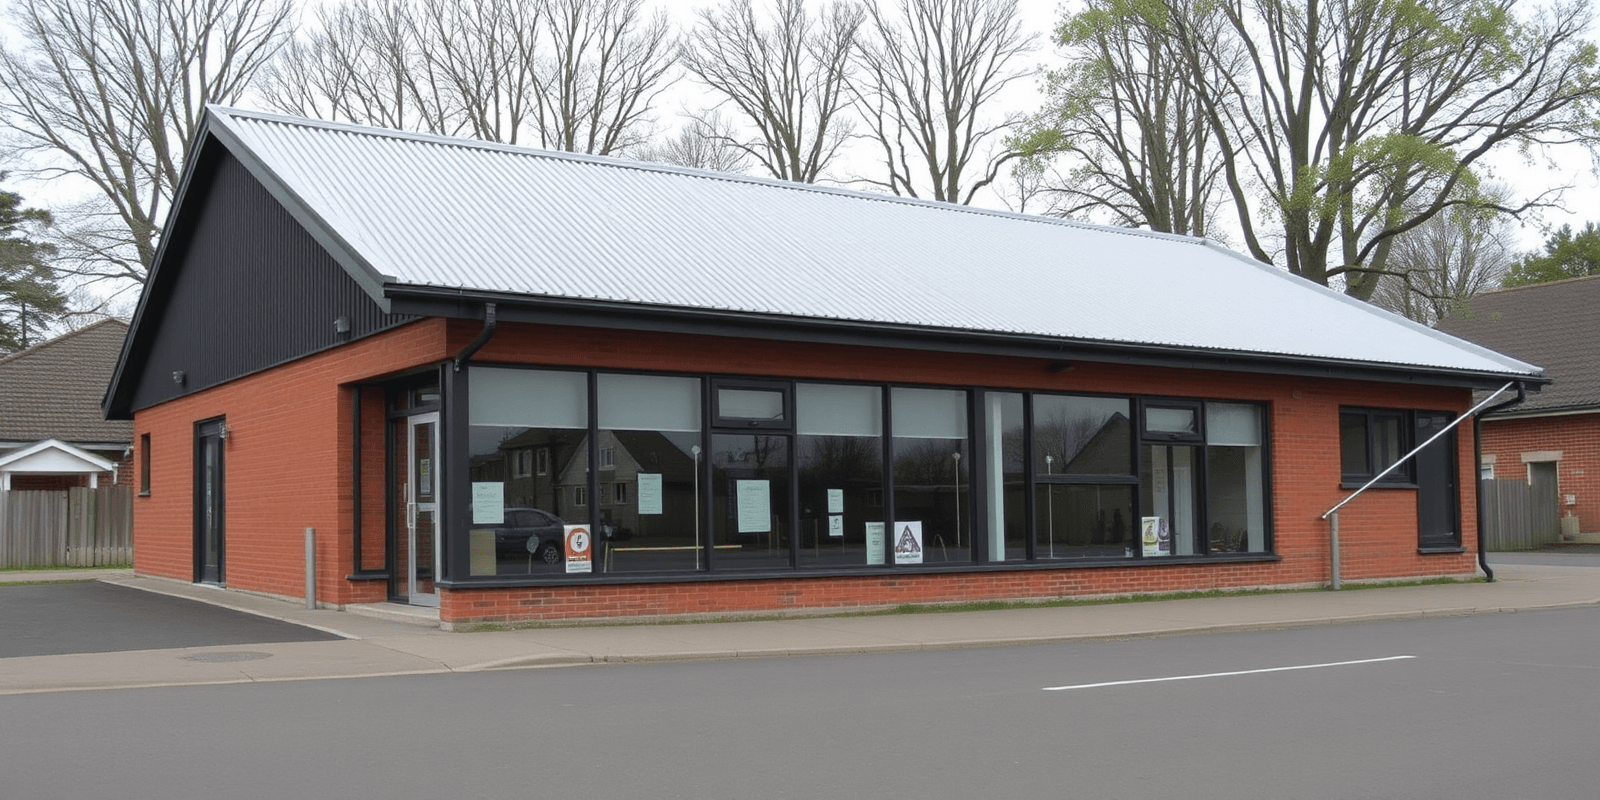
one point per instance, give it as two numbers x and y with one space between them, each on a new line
1170 421
144 463
1370 440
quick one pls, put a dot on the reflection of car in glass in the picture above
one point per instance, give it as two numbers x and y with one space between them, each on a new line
535 531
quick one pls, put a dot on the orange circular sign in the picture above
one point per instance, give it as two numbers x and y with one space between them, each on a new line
577 540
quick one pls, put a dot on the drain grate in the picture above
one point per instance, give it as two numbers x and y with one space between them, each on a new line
241 655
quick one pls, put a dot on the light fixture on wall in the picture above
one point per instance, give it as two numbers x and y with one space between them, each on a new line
178 377
1060 366
341 325
223 431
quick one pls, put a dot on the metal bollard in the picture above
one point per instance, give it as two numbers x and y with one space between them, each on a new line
311 568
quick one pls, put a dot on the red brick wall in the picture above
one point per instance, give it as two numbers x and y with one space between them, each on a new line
287 458
286 468
1576 436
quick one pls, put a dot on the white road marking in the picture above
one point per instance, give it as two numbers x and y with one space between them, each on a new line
1224 674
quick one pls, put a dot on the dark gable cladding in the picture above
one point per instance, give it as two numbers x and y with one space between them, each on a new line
240 287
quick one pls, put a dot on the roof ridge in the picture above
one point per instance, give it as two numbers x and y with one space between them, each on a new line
620 162
1540 284
8 358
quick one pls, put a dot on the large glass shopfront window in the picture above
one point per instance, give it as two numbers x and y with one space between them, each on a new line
529 442
839 461
931 464
649 489
679 474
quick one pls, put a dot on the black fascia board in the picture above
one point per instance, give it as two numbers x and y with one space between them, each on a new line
427 301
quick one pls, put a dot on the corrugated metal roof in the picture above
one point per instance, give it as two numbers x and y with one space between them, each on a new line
432 211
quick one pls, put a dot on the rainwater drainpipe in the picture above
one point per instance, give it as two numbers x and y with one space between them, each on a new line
1477 461
483 337
1334 581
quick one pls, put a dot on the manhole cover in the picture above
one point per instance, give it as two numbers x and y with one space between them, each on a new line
235 656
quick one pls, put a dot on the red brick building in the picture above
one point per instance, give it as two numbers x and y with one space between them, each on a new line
1552 440
530 385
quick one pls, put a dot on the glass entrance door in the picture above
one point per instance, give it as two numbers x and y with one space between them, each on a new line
208 501
419 478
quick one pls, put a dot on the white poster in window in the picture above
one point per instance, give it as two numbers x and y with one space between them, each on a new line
649 493
1156 536
488 503
755 506
578 548
874 543
836 525
908 543
835 501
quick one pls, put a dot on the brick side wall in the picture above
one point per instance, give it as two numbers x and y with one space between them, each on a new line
285 465
287 469
1576 436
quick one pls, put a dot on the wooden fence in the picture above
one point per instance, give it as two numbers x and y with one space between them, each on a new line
1515 517
70 528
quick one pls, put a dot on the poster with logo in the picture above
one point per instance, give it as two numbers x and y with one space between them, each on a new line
908 543
836 525
1156 536
579 547
874 543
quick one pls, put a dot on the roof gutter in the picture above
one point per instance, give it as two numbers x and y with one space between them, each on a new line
1334 581
482 339
1477 459
462 304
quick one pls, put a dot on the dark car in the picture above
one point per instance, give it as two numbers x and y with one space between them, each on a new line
535 531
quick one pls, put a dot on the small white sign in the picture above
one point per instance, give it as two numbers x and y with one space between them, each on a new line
836 525
835 501
488 503
755 506
649 493
874 543
908 543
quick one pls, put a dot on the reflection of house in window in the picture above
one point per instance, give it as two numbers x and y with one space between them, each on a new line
523 460
580 495
608 459
1106 452
542 460
620 494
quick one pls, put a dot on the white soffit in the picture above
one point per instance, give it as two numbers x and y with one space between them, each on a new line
460 214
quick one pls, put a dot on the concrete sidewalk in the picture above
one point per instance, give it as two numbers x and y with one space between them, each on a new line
387 646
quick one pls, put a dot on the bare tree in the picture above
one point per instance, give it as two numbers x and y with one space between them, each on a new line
928 73
702 144
1436 267
1124 118
576 75
786 80
111 92
1359 120
362 62
606 65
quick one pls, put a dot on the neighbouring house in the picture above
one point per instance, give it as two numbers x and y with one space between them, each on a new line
1552 440
742 395
53 434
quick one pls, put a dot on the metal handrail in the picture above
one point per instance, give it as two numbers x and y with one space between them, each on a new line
1333 536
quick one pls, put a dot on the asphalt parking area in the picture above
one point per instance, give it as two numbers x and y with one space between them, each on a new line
92 617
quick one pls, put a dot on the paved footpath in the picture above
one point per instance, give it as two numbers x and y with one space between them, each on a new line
374 646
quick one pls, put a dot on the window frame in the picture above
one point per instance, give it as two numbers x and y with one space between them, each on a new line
1405 476
784 388
144 464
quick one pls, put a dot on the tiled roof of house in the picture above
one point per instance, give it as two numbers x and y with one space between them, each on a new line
1555 325
53 389
408 212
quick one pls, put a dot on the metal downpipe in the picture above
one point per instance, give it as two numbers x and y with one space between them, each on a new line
1477 465
482 338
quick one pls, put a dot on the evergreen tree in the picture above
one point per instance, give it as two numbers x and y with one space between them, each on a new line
30 297
1566 255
